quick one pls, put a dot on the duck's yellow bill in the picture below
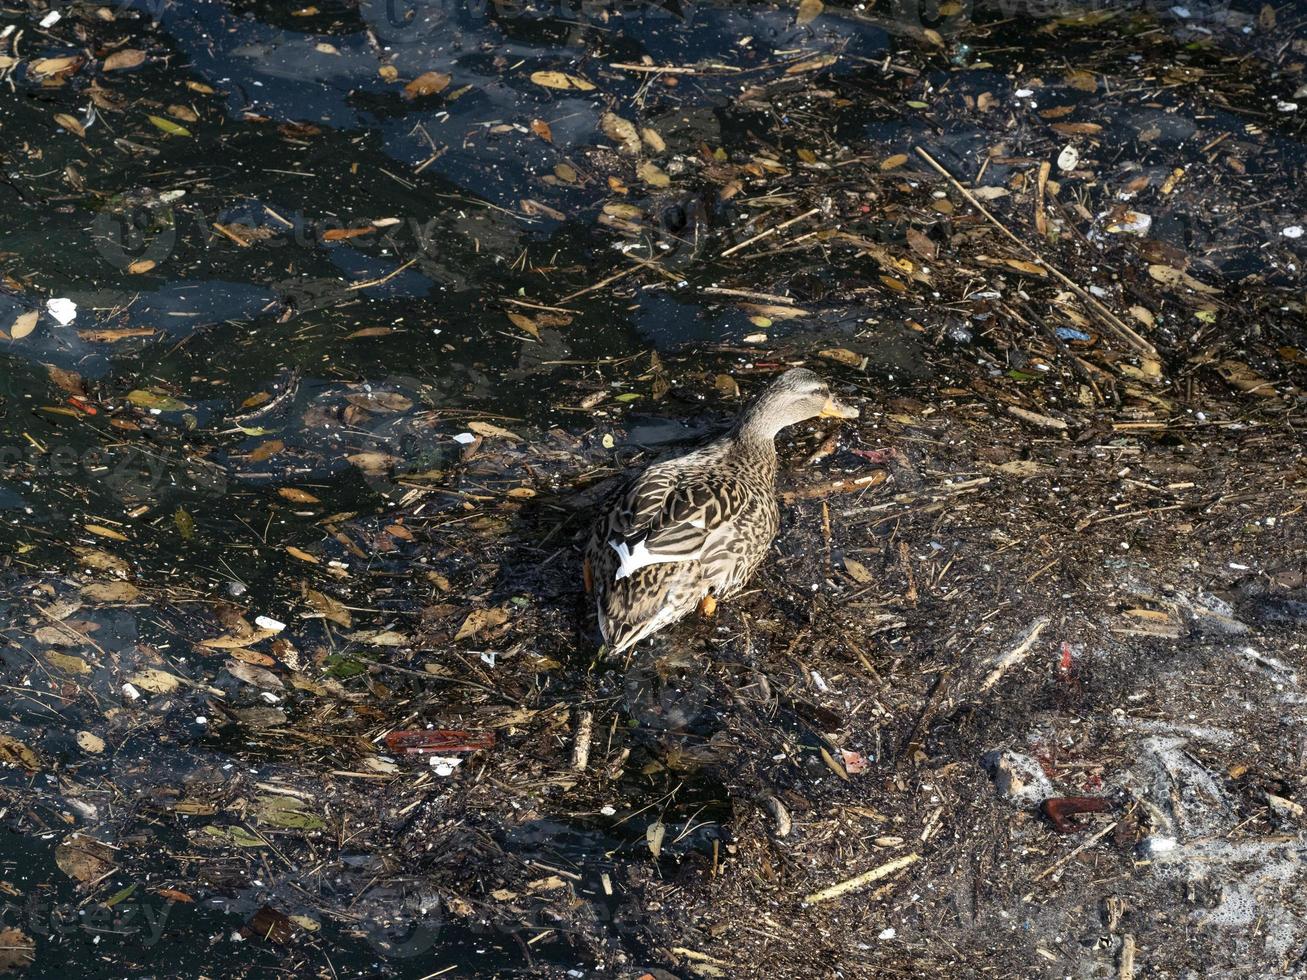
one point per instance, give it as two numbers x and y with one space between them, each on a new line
836 409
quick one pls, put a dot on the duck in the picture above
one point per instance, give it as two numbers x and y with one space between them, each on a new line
689 531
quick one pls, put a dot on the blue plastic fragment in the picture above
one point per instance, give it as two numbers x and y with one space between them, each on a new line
1071 333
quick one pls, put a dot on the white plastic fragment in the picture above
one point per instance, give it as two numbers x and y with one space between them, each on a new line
268 623
465 438
52 18
444 765
889 933
62 309
1293 231
1068 159
131 692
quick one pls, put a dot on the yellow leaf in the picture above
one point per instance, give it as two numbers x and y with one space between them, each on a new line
809 10
541 129
524 322
480 620
24 324
561 80
897 160
70 123
428 83
140 266
621 131
126 58
298 496
169 127
302 555
652 174
106 532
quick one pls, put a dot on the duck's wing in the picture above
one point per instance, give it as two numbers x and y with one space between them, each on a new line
672 513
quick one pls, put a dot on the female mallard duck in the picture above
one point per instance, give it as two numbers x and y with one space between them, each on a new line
692 530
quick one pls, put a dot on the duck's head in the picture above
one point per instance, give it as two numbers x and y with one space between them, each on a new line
796 396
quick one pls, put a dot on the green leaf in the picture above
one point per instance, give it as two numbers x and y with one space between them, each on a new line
121 896
144 398
169 127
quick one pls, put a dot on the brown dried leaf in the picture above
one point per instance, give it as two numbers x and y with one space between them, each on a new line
428 83
126 58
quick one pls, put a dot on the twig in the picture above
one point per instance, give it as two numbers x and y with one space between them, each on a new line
581 747
747 294
849 485
770 231
859 881
1014 656
1125 969
599 285
383 280
1083 845
1107 316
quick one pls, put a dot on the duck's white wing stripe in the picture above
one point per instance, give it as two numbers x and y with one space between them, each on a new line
634 558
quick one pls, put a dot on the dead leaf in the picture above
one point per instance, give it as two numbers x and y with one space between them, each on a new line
652 174
83 858
259 677
812 64
302 555
542 129
111 591
1241 376
126 58
488 429
106 532
480 620
857 571
298 496
428 83
16 753
841 355
17 949
101 561
24 324
809 10
155 681
561 80
621 131
332 609
70 123
524 322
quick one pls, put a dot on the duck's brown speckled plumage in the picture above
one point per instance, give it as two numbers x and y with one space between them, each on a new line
709 516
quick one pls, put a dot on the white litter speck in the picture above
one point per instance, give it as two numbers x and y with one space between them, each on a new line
1181 11
1099 291
268 623
465 438
269 697
1287 106
1155 845
819 681
608 811
889 933
1293 231
1024 93
201 720
756 338
62 309
1239 568
445 764
488 657
52 18
1068 159
131 692
1131 223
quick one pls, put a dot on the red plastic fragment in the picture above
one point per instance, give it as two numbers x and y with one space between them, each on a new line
1058 810
438 741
